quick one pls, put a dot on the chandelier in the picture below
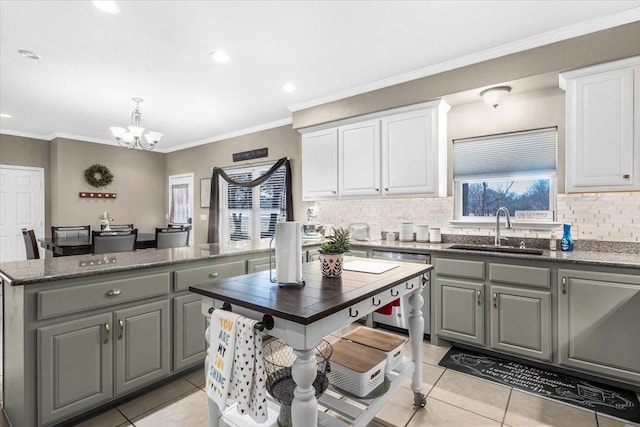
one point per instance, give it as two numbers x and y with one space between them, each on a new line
131 136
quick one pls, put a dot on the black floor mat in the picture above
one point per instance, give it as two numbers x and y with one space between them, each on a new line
591 395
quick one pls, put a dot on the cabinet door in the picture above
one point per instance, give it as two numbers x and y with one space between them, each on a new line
189 345
409 153
598 323
217 270
141 339
600 140
320 165
460 310
74 366
521 321
359 161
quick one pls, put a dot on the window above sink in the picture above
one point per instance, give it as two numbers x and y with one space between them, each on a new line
515 170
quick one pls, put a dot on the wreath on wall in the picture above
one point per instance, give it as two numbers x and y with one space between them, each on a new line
98 176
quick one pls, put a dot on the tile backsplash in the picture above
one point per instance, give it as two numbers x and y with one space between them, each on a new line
594 216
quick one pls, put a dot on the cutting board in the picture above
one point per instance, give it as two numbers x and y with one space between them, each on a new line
368 266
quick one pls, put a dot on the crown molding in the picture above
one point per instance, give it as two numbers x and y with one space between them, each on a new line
571 31
245 131
48 137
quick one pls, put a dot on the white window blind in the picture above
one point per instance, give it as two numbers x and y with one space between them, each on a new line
507 154
252 213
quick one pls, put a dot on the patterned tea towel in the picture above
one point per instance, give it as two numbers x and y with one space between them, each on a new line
248 386
222 339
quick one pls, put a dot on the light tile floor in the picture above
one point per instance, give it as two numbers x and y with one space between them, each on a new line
453 399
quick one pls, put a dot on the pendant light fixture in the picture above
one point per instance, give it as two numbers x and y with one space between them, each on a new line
131 136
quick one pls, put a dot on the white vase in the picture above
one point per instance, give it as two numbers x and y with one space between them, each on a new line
331 264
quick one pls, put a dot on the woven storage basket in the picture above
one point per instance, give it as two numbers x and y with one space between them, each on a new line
389 344
356 368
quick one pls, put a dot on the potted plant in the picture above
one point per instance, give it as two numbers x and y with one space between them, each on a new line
332 253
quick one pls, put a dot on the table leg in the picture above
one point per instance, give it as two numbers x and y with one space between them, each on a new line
304 408
416 335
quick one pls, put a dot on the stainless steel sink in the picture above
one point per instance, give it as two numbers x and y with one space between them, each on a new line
493 248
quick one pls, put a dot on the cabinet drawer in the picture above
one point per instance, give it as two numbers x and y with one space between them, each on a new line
460 268
520 275
196 275
72 299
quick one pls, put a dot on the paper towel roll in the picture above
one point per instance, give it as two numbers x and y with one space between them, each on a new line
288 252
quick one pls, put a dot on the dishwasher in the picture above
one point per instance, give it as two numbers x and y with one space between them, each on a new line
399 317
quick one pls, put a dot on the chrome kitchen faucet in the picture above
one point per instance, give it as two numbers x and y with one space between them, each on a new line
508 225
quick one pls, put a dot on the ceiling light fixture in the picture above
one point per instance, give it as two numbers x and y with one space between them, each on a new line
132 135
28 54
220 56
495 95
288 87
107 6
5 115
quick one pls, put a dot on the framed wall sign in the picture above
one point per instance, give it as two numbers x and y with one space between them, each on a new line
251 154
205 192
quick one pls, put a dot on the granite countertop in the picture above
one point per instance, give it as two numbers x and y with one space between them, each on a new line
50 269
608 259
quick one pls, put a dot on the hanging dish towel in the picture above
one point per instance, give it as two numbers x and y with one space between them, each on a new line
222 340
248 386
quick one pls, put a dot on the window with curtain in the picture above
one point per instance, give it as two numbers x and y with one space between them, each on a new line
252 213
516 170
179 212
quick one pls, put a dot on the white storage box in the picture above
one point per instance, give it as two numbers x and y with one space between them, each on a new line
390 344
356 368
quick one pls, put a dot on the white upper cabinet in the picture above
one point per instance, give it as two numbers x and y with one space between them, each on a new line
411 153
397 152
320 165
359 159
603 127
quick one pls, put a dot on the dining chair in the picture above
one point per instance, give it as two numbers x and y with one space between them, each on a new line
181 226
106 242
73 231
172 237
121 227
30 244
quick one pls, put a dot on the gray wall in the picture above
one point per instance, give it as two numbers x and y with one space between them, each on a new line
139 181
281 142
20 151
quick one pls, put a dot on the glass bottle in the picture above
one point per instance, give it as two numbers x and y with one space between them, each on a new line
566 244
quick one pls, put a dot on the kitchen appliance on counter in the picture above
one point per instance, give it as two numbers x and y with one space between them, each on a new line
399 317
365 231
312 231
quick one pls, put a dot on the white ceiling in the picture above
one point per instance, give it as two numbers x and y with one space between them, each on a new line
92 63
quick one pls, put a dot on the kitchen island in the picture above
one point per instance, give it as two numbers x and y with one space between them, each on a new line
303 316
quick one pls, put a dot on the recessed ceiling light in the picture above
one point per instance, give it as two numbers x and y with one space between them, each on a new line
5 115
220 56
107 6
28 54
288 87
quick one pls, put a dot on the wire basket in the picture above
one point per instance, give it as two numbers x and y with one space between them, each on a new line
278 359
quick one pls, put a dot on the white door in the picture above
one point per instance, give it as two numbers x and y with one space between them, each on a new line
21 206
181 201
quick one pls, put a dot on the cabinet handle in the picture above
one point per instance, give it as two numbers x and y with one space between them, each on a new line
626 176
121 323
386 189
377 189
495 300
478 296
564 285
107 333
213 274
334 192
113 292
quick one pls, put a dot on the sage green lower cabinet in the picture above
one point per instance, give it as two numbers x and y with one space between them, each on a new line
260 264
142 344
598 320
313 255
75 366
521 321
460 310
189 345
